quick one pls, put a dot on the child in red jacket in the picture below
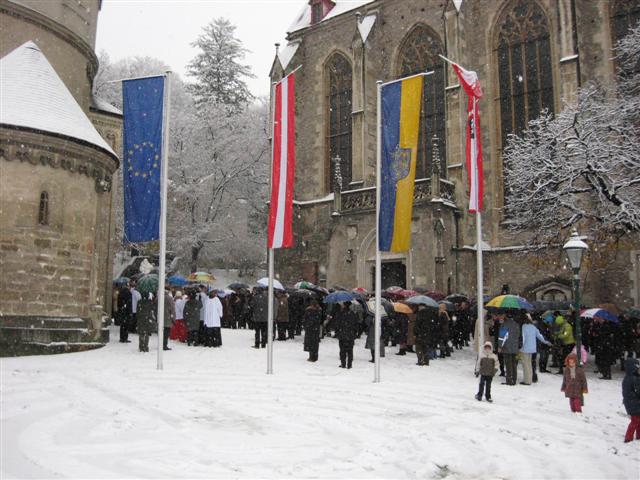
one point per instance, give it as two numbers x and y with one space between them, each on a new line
574 383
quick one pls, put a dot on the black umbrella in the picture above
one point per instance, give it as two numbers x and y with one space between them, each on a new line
457 298
634 313
237 285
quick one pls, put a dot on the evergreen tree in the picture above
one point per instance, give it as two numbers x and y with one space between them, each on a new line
217 68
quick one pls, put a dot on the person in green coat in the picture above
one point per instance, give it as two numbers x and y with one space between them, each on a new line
564 339
146 320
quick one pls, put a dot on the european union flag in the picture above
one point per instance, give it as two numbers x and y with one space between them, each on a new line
143 102
400 119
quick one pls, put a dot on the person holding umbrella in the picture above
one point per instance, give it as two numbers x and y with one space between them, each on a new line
146 319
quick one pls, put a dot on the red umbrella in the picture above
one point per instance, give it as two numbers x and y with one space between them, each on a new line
408 293
360 290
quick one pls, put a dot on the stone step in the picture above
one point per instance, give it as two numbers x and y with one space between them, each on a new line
34 348
44 322
9 335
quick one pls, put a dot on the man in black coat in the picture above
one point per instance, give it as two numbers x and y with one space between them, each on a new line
346 325
124 313
603 346
260 310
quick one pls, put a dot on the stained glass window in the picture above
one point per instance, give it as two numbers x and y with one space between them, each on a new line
625 14
419 53
339 76
524 66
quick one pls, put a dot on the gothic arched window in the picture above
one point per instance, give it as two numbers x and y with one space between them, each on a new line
419 53
43 209
339 91
625 14
524 66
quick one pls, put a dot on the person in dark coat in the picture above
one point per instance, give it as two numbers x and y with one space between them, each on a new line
631 397
423 329
123 315
346 326
603 346
574 383
147 321
312 321
260 310
370 343
444 324
192 316
169 317
282 320
509 346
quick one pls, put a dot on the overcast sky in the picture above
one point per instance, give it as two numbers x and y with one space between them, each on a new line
164 29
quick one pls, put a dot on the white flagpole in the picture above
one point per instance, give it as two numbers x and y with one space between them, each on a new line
378 286
164 167
270 250
270 317
475 192
479 286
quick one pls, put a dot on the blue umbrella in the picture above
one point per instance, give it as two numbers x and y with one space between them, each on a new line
339 296
177 280
121 281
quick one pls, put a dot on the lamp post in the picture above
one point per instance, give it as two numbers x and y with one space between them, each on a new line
575 248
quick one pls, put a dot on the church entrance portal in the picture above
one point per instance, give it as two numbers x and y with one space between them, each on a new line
393 274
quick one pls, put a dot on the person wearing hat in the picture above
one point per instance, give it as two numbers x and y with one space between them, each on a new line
574 383
486 369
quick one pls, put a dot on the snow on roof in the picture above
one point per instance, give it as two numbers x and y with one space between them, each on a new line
104 106
32 95
286 54
303 19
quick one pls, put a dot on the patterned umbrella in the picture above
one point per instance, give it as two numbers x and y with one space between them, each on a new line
360 290
599 312
512 302
304 284
201 277
148 284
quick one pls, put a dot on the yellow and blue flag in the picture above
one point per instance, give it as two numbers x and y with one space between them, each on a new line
400 123
143 105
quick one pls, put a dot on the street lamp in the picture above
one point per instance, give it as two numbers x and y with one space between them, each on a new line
575 249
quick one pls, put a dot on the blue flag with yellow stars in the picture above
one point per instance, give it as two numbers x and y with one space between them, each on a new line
142 153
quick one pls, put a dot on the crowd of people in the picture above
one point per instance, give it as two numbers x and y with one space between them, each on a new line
538 341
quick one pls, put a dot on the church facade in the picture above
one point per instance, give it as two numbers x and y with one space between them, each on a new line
530 55
58 158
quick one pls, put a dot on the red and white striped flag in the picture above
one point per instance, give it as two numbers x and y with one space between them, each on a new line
471 85
283 165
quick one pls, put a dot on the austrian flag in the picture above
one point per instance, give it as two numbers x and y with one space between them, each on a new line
280 234
471 86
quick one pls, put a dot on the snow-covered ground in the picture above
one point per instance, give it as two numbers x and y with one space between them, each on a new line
214 413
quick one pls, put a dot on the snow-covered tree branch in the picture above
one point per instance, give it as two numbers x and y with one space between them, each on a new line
581 166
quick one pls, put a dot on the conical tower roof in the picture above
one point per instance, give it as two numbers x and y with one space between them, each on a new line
33 96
